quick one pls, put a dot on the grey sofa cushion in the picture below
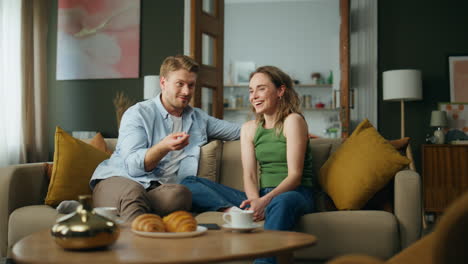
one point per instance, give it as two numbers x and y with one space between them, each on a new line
320 154
372 233
29 219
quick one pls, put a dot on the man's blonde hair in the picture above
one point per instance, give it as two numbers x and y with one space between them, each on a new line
175 63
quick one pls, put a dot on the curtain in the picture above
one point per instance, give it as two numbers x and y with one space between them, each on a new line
363 60
10 83
23 92
34 76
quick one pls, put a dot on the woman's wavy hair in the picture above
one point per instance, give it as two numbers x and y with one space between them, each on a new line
289 103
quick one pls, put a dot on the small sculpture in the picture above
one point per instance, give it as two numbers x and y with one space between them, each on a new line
316 78
84 229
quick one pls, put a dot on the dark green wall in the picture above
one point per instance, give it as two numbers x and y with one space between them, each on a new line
87 104
412 34
419 34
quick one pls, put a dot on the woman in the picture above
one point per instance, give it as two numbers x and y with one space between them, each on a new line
278 141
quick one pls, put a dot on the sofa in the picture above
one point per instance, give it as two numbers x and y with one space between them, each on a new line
371 232
446 244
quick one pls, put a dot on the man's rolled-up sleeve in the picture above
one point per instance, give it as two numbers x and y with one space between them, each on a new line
223 130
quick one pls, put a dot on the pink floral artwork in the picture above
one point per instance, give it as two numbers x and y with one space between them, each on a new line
98 39
458 78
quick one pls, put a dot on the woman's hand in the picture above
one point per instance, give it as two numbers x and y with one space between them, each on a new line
257 205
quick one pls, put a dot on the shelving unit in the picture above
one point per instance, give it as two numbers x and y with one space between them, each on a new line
296 85
320 120
236 109
303 109
320 109
314 85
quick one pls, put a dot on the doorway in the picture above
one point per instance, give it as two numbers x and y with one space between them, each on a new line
303 47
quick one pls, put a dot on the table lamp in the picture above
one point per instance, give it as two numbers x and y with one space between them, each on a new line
402 85
439 120
151 86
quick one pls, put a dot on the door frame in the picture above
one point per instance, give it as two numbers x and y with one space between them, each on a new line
344 58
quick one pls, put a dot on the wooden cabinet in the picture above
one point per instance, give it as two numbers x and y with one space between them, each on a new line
445 175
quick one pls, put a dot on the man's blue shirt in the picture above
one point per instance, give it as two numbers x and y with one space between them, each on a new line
146 124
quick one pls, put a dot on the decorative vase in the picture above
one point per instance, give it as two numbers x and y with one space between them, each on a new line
84 229
330 78
439 136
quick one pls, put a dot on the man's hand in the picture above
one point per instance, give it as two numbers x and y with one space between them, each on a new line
175 141
257 205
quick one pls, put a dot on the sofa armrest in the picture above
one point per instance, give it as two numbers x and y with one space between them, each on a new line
20 185
355 259
408 206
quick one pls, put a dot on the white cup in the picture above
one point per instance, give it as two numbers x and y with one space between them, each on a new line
239 219
108 212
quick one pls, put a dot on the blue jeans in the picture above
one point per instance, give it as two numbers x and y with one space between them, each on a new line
282 213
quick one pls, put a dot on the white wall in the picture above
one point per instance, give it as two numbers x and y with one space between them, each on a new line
299 37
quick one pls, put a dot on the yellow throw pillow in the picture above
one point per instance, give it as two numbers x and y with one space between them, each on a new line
97 141
74 164
210 160
363 165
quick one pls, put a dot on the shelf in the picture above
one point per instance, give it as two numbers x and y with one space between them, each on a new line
296 85
237 85
236 109
303 109
320 109
314 85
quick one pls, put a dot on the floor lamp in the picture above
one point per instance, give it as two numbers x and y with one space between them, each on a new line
151 86
403 85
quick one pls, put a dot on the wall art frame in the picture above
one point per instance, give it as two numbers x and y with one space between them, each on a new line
458 76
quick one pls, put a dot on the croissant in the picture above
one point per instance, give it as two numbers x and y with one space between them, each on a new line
180 221
148 223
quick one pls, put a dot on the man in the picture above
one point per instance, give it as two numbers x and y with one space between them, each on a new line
158 146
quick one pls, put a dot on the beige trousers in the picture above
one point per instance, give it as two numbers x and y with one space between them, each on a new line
131 199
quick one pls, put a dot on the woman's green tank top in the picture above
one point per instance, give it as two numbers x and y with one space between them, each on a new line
270 151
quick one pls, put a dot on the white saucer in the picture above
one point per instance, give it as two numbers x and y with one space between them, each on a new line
242 229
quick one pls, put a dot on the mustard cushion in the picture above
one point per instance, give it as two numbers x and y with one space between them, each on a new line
210 160
363 165
97 141
74 164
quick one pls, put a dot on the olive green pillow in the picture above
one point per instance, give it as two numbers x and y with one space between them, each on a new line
362 166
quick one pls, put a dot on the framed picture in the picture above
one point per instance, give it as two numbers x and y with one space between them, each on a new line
458 73
98 39
457 115
242 71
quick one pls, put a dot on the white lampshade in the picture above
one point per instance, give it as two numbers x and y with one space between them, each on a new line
438 119
151 86
403 85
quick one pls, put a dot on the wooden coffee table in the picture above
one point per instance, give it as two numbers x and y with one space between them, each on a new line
212 246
